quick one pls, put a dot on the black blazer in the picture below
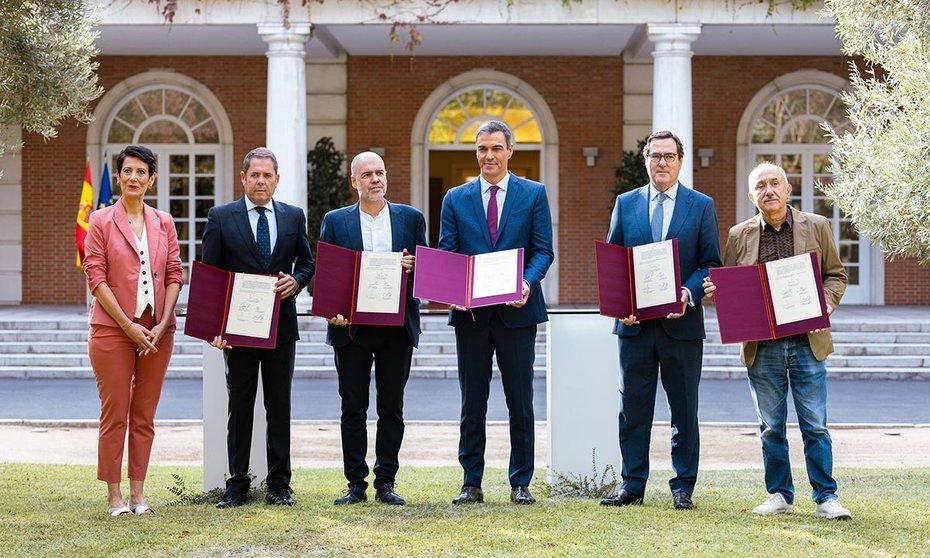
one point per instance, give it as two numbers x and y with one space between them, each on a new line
343 227
228 244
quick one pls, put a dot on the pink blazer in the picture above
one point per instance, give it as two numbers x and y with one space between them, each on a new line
111 258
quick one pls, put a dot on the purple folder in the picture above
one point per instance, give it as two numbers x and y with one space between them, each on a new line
335 288
744 305
447 277
616 283
208 308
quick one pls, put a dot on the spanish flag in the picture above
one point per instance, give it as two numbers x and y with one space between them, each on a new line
83 216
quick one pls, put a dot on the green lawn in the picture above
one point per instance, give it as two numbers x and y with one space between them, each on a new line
59 511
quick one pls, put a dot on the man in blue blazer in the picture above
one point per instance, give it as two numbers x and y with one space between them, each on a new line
498 211
256 234
373 224
672 346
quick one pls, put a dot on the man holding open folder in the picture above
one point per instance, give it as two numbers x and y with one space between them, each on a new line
780 231
495 212
256 234
374 225
662 210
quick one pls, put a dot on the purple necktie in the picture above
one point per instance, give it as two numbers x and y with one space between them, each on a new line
492 213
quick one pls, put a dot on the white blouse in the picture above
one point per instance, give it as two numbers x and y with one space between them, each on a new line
145 289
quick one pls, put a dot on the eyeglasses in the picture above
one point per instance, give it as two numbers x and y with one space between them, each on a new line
669 157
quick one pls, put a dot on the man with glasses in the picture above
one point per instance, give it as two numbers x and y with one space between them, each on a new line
670 347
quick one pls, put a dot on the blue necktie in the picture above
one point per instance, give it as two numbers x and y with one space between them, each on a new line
262 236
658 215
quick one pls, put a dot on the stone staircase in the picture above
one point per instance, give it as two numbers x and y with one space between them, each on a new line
56 348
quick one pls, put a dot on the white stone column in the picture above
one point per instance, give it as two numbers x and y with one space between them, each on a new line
671 86
286 114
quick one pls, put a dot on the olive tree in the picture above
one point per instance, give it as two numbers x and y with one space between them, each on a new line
882 167
47 71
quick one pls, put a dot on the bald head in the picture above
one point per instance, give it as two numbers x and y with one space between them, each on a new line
364 157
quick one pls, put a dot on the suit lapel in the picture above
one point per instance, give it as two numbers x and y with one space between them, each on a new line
397 228
121 218
514 198
281 224
800 231
156 237
641 215
353 225
241 217
474 193
682 210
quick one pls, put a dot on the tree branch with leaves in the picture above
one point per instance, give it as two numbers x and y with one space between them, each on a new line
882 168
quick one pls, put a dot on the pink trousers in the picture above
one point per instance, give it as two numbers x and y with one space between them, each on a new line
129 386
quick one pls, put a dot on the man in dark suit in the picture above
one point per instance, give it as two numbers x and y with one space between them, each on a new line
674 346
256 234
498 211
795 363
375 225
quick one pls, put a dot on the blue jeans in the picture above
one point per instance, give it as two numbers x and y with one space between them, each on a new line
778 364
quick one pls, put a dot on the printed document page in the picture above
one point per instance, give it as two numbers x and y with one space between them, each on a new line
251 306
654 274
794 289
379 284
495 273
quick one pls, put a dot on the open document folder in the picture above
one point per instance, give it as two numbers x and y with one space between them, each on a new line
367 288
644 281
468 281
770 300
242 308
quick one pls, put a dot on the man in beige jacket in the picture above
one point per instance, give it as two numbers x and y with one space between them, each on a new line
797 361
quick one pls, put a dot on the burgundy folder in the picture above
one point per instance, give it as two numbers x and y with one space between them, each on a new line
208 308
616 283
447 277
744 305
335 288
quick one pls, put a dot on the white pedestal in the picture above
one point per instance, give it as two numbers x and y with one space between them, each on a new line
582 383
215 412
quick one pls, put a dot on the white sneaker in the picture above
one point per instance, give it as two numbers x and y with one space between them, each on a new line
831 509
774 505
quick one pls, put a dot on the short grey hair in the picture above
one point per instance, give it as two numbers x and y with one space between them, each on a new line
755 173
494 126
261 153
357 160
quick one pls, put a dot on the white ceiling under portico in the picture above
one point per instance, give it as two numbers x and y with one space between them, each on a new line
466 28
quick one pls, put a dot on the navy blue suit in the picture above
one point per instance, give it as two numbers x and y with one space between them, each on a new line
674 346
228 243
389 348
526 223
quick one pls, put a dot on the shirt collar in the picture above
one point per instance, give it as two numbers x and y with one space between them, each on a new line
381 214
485 185
789 220
671 192
249 206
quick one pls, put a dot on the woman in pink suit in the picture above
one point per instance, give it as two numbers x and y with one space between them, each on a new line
134 273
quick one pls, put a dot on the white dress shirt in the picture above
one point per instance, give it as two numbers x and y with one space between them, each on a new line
501 194
667 208
376 231
253 221
145 289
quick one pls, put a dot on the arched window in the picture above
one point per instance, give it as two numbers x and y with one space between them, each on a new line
458 119
787 131
183 132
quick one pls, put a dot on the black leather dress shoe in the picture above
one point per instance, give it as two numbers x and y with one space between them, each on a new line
521 495
623 498
232 499
682 501
469 495
385 494
354 495
280 496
